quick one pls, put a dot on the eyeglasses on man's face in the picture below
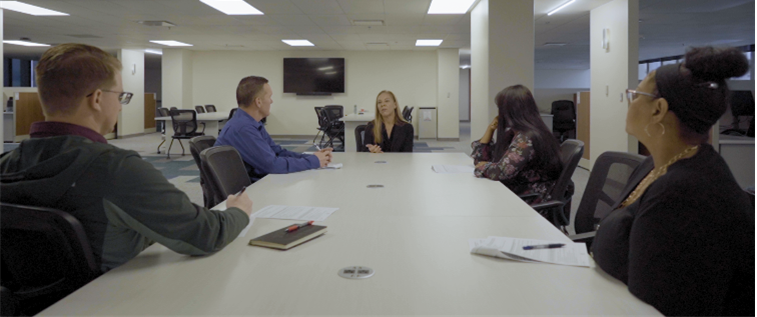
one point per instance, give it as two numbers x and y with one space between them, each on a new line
123 97
633 94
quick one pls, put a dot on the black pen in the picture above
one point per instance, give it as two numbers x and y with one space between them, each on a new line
241 191
544 246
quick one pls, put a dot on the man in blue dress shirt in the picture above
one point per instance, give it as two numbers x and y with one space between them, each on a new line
247 134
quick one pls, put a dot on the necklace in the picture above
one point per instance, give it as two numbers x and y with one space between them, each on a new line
653 176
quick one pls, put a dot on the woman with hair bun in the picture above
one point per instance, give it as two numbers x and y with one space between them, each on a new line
682 239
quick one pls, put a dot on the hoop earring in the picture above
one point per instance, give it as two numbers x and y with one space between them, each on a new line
646 129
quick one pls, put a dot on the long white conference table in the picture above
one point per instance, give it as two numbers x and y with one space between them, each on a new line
413 232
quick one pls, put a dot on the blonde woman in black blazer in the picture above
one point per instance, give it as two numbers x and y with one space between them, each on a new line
388 132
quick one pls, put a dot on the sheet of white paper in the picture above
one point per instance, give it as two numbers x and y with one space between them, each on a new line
426 115
452 169
574 254
295 212
244 231
490 246
334 166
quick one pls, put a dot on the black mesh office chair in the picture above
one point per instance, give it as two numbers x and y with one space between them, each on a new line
335 128
360 138
225 170
557 210
608 178
563 118
199 109
184 127
196 146
210 108
323 124
232 112
407 114
45 256
173 108
742 105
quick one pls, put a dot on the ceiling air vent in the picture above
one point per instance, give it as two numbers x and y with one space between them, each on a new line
156 23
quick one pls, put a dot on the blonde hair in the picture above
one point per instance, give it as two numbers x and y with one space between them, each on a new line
378 122
68 72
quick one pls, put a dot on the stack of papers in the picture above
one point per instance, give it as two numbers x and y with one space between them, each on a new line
334 166
295 212
452 169
573 254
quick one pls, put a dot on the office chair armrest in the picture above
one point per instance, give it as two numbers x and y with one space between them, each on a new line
203 127
547 205
528 196
586 237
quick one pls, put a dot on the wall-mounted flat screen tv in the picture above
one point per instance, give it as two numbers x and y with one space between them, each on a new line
314 76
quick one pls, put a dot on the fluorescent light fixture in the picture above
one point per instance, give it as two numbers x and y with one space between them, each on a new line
298 42
29 9
171 43
326 68
24 43
233 7
464 66
449 6
560 7
428 42
330 73
154 51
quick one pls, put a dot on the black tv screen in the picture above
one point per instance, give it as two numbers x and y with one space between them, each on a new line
313 76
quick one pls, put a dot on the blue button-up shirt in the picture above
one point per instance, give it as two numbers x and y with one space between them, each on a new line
260 154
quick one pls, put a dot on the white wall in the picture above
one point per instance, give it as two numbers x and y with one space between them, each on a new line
411 75
558 84
464 102
131 120
448 91
479 71
612 72
176 78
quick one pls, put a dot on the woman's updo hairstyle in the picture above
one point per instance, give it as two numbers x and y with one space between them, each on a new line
696 90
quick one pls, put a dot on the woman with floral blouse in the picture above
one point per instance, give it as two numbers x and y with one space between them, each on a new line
525 157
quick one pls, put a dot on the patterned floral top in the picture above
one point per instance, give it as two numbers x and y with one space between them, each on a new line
512 169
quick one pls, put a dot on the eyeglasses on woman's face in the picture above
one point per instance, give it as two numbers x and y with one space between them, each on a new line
633 94
123 97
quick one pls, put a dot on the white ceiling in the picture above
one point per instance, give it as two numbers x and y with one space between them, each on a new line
667 26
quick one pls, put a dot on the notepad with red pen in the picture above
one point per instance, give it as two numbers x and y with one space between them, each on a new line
282 239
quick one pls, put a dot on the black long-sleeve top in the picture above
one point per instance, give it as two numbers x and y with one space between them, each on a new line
401 139
686 246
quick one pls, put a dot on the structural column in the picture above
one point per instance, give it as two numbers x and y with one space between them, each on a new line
502 55
614 36
177 78
448 91
131 120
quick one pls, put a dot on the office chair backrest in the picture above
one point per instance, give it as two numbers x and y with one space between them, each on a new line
564 115
199 109
608 178
334 113
231 113
570 153
164 112
210 108
174 108
45 254
184 122
360 138
742 103
323 121
225 171
196 146
407 114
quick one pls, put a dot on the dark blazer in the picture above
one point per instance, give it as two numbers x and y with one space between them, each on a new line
401 139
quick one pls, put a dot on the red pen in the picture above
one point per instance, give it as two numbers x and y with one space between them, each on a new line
295 227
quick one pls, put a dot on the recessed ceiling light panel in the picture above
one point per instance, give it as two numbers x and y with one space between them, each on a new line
171 43
298 42
29 9
24 43
428 42
233 7
561 7
450 6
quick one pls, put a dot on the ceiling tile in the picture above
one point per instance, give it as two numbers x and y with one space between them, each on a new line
362 6
292 20
312 7
331 20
